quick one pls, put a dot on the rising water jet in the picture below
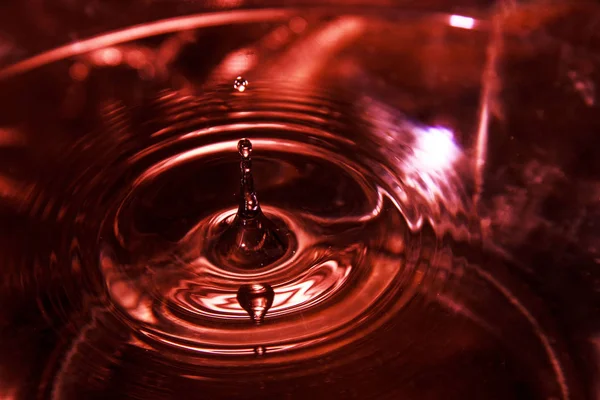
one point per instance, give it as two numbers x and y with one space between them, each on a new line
252 241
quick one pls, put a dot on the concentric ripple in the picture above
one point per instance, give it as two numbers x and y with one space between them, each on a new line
119 196
349 252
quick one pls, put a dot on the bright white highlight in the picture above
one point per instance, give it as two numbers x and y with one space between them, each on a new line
434 150
459 21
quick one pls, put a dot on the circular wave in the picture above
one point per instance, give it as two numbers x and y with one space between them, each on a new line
351 254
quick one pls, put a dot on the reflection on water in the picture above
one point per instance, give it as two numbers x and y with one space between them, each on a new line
428 196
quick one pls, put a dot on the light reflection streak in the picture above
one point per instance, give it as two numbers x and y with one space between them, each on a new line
537 328
374 213
142 31
489 81
457 307
73 354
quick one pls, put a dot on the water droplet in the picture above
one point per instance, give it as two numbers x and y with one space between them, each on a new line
249 207
252 240
240 84
256 299
245 148
260 350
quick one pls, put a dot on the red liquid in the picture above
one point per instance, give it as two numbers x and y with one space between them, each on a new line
423 233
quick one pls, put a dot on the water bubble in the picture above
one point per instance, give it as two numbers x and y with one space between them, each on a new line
260 350
240 84
256 299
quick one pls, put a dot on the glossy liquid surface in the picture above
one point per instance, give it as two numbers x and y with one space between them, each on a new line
375 265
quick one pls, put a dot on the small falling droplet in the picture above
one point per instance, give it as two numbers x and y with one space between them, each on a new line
240 84
260 350
256 299
245 148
